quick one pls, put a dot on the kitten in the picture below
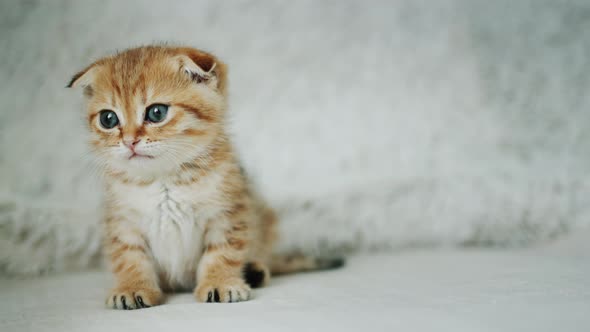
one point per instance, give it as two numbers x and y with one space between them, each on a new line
179 213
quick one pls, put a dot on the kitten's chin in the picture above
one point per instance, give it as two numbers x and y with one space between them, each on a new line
136 156
143 166
140 165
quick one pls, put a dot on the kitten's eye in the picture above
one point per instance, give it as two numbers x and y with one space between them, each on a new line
108 119
156 112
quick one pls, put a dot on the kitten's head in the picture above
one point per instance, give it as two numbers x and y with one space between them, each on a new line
152 109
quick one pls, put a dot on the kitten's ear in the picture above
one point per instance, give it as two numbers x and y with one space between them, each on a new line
203 68
83 78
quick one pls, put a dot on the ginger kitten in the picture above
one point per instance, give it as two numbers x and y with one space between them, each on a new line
179 213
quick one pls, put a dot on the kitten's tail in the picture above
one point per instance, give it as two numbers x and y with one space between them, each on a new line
286 264
257 274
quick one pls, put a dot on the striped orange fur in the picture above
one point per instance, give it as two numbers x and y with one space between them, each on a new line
180 214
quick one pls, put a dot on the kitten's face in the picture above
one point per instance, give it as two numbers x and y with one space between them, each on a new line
152 109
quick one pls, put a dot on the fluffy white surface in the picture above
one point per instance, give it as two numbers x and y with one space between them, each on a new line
386 124
544 289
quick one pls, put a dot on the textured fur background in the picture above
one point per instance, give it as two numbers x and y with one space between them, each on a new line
379 124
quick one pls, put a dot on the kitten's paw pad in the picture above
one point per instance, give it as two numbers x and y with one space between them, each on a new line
128 298
232 290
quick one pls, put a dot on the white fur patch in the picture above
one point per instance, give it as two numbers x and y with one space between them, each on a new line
175 238
172 219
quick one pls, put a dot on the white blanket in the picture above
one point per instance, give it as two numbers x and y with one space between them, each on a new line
537 290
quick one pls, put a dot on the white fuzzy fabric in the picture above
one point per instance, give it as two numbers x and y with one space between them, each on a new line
544 289
369 124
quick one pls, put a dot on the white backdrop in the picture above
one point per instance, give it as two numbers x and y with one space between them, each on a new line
378 124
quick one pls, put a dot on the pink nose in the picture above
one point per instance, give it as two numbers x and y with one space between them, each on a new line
131 143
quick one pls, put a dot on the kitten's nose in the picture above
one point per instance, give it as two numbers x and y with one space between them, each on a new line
131 142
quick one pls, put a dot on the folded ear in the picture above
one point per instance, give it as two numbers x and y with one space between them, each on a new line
203 68
83 78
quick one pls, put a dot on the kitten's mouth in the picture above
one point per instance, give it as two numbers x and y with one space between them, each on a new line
136 155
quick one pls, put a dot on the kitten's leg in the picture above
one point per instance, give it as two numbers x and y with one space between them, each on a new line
256 272
137 283
219 275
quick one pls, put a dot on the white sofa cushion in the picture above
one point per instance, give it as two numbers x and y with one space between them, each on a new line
543 289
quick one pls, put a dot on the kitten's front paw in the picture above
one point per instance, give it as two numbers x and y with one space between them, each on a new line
229 290
129 298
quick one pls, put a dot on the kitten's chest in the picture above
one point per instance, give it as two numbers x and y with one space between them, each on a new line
162 201
172 219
